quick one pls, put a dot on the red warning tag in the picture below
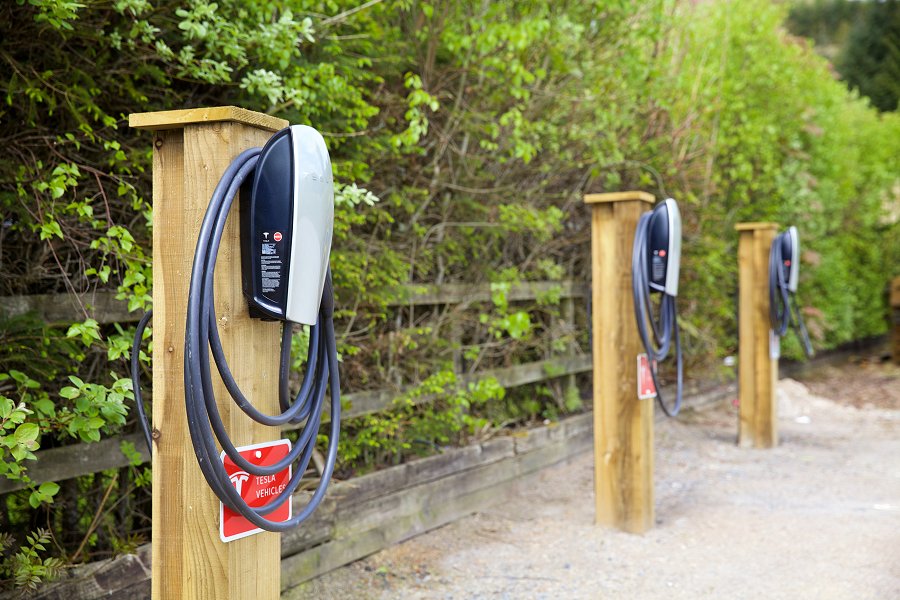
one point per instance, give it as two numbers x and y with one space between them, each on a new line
256 490
645 386
277 236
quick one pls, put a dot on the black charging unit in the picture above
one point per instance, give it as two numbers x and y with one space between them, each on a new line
287 214
285 243
654 272
784 278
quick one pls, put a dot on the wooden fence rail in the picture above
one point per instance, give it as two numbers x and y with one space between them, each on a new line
103 306
75 460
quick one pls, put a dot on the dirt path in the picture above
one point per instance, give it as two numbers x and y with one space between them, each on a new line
818 517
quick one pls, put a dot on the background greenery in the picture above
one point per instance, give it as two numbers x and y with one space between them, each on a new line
463 136
861 38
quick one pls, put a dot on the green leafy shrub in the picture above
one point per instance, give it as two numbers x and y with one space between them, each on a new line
463 136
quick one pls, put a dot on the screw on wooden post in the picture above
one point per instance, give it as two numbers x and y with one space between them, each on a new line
758 360
623 424
191 150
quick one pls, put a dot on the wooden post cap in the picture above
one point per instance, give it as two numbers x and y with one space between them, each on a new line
175 119
755 226
619 197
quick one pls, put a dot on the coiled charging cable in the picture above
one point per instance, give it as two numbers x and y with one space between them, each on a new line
780 299
665 328
202 337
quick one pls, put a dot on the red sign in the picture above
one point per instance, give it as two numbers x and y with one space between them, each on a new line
277 236
646 388
256 490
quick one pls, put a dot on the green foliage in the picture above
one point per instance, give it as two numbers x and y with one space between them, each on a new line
75 188
862 39
96 407
437 412
17 438
516 324
776 138
463 136
26 567
826 22
870 61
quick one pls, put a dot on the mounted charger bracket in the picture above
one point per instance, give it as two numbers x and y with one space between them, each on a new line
664 248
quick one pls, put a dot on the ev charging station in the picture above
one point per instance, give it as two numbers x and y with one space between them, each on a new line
768 276
654 270
635 256
226 292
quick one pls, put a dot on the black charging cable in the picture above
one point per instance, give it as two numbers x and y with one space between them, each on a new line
657 339
202 338
780 297
136 379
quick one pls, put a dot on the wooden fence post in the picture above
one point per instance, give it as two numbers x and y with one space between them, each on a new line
623 424
191 150
895 319
570 386
758 357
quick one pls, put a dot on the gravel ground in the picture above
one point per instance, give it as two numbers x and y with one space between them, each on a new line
818 517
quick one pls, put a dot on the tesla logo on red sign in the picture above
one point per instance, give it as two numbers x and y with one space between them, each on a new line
646 387
255 490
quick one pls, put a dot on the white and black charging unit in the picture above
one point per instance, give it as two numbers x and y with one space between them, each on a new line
286 219
784 276
654 272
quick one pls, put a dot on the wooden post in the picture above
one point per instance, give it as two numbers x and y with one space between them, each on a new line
895 319
758 361
623 424
191 149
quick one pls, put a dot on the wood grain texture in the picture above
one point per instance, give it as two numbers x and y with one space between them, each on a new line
425 502
103 306
189 560
757 370
170 273
65 462
619 197
125 577
57 464
623 424
469 293
755 225
368 513
448 483
368 402
178 119
100 305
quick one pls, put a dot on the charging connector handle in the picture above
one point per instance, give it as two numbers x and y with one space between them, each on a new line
665 328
